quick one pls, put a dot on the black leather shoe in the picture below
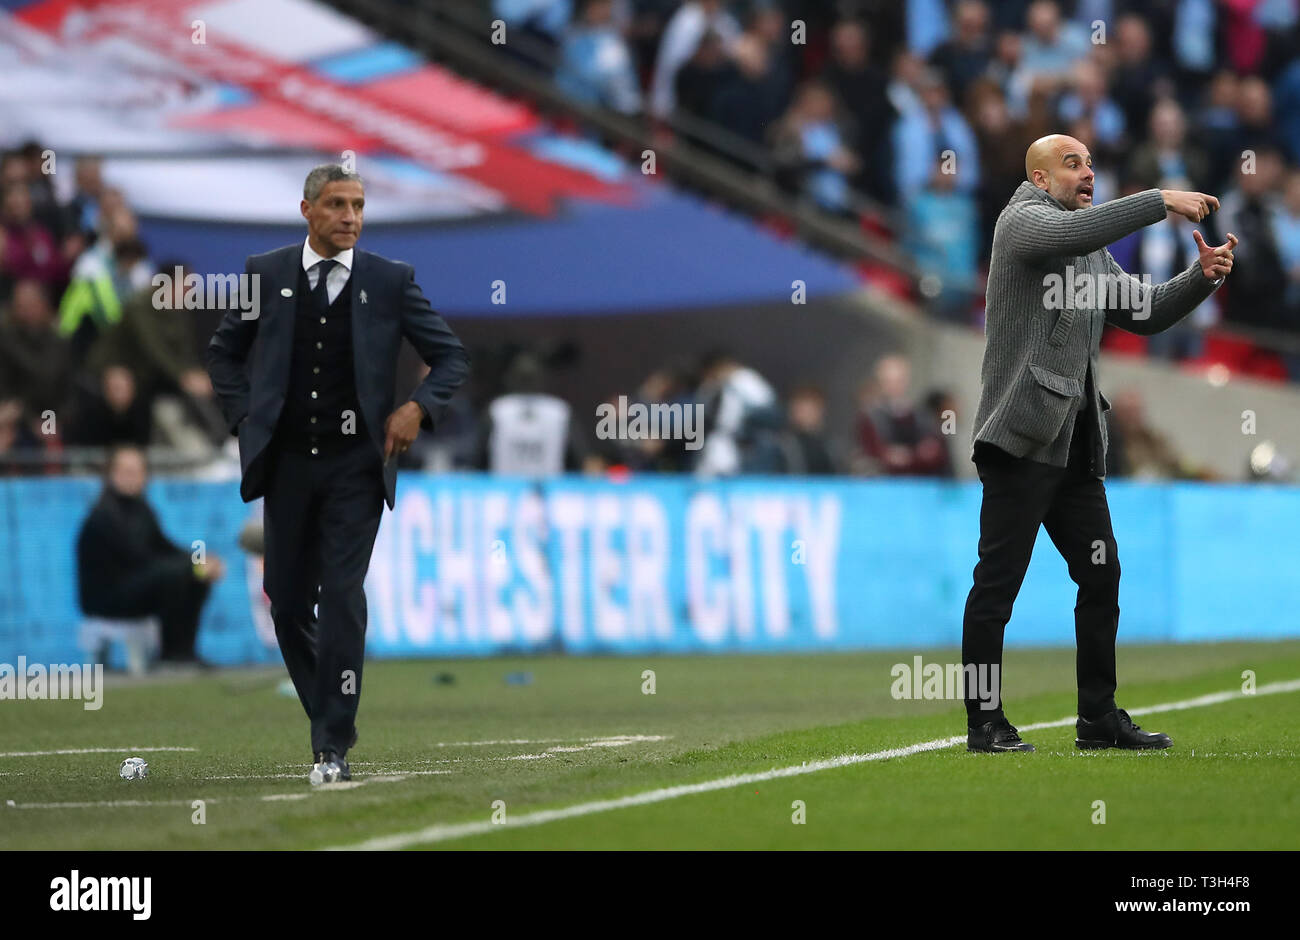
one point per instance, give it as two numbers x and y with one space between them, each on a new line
329 768
994 737
1117 730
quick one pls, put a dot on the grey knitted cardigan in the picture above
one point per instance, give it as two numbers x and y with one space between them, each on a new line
1042 337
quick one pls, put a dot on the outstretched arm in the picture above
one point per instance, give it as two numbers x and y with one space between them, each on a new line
1040 231
1147 310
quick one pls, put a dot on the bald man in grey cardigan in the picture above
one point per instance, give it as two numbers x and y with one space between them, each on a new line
1040 436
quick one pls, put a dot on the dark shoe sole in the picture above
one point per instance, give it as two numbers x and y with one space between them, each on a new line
1026 749
1103 745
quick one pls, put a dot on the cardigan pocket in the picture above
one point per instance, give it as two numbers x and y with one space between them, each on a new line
1061 332
1041 403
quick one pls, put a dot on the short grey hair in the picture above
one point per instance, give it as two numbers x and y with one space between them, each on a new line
326 173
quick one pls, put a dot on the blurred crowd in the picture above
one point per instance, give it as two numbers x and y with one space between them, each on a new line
923 107
722 417
92 357
87 358
926 107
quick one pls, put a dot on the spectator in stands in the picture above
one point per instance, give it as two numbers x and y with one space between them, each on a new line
113 413
752 91
742 419
1256 128
38 170
1000 139
964 58
1286 101
1008 50
933 131
700 79
1139 78
35 366
610 454
1145 452
1217 128
693 20
1192 39
154 339
533 28
127 568
1164 250
1052 46
804 450
83 209
103 277
1247 211
809 146
925 24
942 233
904 79
529 432
27 248
860 88
896 437
941 405
667 385
1167 154
766 24
1087 97
596 66
1286 235
1035 66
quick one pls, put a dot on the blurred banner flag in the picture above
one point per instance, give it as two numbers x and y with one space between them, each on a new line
213 111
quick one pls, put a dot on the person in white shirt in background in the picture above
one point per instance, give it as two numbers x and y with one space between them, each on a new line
681 37
740 407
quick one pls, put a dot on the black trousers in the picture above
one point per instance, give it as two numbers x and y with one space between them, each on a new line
167 589
321 515
1019 496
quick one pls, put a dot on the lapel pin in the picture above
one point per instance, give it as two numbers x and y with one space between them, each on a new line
285 292
363 296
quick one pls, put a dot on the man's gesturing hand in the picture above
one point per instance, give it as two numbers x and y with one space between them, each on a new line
1215 262
401 429
1191 206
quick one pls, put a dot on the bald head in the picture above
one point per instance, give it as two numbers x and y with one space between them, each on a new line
1062 166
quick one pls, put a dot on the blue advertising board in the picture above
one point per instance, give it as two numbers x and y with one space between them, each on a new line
471 565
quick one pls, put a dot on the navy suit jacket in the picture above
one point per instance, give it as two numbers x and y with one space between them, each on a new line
249 360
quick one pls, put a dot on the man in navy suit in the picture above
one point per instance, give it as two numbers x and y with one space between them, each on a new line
307 384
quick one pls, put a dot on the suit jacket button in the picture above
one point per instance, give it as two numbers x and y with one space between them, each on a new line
314 395
322 319
315 451
320 346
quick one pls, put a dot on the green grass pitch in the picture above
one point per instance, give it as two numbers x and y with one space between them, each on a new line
444 753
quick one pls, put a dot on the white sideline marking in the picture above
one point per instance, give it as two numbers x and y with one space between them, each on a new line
591 743
300 775
620 738
115 804
95 750
443 832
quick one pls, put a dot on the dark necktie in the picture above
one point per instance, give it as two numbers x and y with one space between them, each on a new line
320 293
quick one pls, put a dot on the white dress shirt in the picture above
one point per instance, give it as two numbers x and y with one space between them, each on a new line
338 275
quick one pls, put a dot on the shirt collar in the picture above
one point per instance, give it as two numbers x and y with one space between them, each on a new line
310 259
